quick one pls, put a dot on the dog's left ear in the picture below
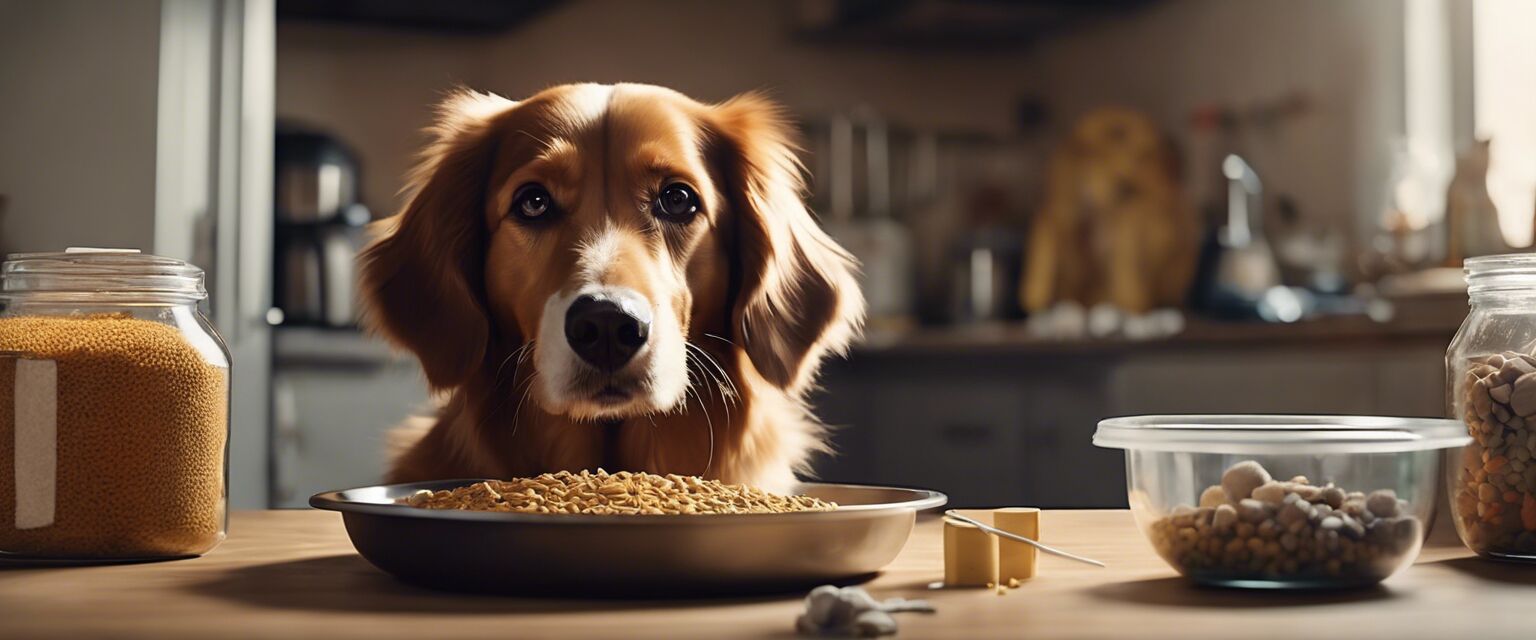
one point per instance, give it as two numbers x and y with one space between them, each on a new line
797 298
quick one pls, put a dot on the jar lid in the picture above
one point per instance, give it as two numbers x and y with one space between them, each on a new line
85 273
1279 434
1504 272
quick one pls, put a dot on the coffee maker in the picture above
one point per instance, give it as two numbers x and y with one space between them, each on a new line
319 229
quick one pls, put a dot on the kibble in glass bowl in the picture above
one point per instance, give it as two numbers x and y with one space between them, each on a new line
1283 501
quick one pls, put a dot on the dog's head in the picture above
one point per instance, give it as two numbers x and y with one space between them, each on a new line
1115 155
596 231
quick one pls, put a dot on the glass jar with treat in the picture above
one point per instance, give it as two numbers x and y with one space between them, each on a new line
1491 369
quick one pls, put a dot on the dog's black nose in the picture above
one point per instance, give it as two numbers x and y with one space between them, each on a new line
604 333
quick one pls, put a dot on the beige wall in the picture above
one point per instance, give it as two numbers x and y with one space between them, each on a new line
374 87
1345 56
78 88
713 50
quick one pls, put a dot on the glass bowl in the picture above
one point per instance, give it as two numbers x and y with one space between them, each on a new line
1283 502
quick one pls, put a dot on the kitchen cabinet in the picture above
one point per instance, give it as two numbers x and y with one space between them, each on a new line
995 423
958 433
1004 422
336 396
989 431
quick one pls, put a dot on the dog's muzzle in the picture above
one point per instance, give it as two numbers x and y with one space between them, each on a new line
607 329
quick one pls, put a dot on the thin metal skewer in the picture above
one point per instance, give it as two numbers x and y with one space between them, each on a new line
1013 536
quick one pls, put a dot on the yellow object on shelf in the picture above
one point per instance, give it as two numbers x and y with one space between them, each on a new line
970 556
1016 560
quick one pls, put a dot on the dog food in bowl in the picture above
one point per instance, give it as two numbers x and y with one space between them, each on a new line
1208 492
1286 530
622 493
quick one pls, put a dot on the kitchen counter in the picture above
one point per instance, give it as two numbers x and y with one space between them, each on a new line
293 574
1014 340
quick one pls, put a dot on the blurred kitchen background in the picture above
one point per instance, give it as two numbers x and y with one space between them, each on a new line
1066 209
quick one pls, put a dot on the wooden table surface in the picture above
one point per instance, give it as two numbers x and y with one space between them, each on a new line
293 574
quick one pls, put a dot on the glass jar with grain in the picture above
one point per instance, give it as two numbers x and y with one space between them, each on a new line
1491 369
114 408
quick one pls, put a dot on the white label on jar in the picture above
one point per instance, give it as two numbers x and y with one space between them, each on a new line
37 426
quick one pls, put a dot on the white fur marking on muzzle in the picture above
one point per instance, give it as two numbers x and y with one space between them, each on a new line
595 256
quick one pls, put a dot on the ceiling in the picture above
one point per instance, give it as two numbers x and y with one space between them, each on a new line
910 24
947 24
456 16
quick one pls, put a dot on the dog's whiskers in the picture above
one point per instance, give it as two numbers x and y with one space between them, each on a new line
711 335
717 381
718 375
516 353
721 376
518 412
521 353
689 390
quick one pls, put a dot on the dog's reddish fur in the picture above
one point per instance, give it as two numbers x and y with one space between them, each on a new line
755 283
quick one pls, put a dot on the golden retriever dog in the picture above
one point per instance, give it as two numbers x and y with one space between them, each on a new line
611 276
1113 228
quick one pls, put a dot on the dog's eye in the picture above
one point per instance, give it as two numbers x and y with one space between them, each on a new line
676 203
532 202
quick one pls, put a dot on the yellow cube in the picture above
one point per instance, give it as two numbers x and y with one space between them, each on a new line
1016 560
970 556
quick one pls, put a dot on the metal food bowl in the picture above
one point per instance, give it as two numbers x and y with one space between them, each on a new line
629 555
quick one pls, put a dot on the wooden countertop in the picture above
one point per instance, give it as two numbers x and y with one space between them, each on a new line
293 574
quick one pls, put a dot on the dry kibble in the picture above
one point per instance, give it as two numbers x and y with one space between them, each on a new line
1496 478
1213 496
1333 497
1244 530
1356 508
1250 511
1382 504
1522 400
1515 366
141 428
1351 527
1280 535
1271 492
1294 512
1242 478
625 493
1224 517
1307 492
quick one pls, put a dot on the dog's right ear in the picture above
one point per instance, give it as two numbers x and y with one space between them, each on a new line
422 282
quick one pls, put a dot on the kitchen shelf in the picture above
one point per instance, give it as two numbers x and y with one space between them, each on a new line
1014 339
300 346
